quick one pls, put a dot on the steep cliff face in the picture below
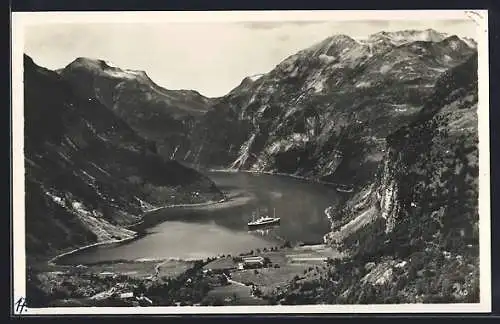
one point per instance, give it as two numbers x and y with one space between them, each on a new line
158 114
424 159
415 228
88 174
325 111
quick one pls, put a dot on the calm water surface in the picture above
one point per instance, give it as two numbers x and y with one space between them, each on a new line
204 232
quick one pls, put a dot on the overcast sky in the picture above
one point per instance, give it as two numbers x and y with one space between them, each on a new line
210 57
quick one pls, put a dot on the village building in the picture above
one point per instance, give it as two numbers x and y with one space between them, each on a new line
126 295
251 263
107 274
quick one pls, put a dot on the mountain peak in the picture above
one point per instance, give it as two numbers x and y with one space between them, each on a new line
340 39
88 62
410 35
28 60
432 31
30 65
105 67
333 43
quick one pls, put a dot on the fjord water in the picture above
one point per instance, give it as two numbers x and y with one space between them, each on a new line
215 230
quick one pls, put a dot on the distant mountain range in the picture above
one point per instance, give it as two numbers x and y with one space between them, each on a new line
324 113
407 36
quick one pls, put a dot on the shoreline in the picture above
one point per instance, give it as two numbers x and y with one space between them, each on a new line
52 261
203 204
287 175
133 227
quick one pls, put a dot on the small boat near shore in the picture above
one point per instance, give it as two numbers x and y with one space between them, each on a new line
264 221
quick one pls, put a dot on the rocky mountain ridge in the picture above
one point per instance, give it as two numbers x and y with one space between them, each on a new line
88 173
158 114
282 120
412 233
444 130
324 112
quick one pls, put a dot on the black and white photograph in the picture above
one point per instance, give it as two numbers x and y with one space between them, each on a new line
251 162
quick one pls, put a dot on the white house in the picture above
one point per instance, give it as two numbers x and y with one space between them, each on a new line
127 295
252 262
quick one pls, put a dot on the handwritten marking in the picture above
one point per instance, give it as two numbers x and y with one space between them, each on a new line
21 305
473 15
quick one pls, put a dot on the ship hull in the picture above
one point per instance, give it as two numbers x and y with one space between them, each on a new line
342 190
266 224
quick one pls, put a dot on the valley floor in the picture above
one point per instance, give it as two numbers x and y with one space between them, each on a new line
216 281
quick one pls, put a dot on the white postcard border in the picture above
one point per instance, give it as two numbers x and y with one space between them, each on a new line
23 19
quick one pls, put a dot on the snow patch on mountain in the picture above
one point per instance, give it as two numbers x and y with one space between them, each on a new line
295 72
255 77
125 74
326 58
406 36
111 64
